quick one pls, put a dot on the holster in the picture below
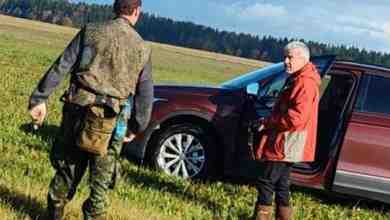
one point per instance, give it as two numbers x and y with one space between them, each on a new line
96 129
100 118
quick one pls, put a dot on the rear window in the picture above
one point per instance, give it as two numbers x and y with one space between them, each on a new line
373 95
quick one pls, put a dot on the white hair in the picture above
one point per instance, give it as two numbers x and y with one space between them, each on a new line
298 44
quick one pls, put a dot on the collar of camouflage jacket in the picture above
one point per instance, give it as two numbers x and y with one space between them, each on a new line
124 20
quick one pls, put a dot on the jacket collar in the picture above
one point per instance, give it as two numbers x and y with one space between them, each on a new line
308 71
124 21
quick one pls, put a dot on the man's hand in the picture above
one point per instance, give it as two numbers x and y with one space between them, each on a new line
261 128
129 137
38 113
261 121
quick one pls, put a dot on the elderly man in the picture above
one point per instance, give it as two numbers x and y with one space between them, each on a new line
110 70
289 133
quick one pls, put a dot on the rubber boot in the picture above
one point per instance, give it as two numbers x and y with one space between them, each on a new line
262 212
96 217
92 216
100 217
55 212
283 213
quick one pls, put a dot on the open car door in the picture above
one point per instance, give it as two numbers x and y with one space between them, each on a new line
267 95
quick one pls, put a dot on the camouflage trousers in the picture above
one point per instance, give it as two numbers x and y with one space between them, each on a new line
71 163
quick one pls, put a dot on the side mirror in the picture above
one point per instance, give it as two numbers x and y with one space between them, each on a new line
252 89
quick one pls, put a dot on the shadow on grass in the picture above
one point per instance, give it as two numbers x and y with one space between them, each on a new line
22 203
351 202
329 198
322 196
47 133
147 181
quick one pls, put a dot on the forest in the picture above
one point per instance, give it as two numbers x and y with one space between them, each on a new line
180 33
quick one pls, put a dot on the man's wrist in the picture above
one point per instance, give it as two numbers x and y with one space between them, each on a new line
35 102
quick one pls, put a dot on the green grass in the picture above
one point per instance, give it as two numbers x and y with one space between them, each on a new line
28 48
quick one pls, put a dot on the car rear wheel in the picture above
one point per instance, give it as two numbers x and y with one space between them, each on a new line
185 151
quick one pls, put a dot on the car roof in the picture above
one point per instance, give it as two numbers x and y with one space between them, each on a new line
361 66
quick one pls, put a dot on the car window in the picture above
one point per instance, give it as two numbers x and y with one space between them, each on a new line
323 63
371 97
273 87
253 77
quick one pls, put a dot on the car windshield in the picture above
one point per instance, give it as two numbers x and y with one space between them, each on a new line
255 76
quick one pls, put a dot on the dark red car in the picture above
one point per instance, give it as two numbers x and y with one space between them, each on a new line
200 131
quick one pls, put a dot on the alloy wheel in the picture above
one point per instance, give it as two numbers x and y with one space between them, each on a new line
181 155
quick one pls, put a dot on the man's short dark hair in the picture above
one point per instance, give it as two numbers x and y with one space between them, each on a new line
126 7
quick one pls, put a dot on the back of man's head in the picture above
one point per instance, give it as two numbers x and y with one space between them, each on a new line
126 7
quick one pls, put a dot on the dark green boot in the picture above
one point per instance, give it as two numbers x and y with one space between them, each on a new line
55 211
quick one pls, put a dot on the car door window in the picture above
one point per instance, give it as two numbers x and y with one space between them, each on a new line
273 87
372 97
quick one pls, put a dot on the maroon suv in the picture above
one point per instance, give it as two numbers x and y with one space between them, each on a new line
200 131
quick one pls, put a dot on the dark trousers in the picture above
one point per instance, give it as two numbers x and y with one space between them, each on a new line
274 179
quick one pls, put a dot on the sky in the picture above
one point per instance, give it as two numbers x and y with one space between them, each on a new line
359 23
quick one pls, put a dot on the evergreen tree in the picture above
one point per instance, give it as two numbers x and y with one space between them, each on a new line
186 34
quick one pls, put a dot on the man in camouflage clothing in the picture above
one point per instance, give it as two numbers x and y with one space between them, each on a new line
109 65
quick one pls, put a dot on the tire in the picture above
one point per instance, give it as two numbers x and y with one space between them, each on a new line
194 158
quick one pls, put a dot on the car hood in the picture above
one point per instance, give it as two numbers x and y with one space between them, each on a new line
183 90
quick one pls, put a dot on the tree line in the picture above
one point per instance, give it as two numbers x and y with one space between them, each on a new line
185 34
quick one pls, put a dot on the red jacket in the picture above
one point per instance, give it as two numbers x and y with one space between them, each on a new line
291 130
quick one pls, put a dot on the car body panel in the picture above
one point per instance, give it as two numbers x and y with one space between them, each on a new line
363 164
220 107
365 133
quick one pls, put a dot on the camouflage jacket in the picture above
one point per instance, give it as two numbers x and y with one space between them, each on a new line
105 68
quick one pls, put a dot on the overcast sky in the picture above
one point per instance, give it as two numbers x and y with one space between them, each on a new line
360 23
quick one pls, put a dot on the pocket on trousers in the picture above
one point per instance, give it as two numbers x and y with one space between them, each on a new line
96 130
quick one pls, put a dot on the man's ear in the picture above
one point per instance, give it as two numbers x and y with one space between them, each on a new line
137 11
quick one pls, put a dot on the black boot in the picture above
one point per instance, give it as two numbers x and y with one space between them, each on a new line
91 216
100 217
96 217
55 212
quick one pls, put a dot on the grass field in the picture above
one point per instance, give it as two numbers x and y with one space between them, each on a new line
28 48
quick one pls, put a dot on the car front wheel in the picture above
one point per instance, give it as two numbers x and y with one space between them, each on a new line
185 151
